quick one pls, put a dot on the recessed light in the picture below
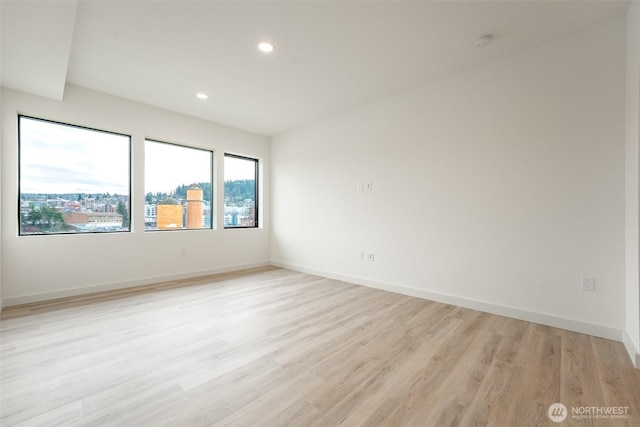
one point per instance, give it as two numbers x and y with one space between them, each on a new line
202 95
483 40
265 47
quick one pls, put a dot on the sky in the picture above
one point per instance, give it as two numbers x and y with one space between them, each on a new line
168 166
236 169
58 158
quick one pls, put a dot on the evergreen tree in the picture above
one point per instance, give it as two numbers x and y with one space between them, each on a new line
122 210
236 192
43 218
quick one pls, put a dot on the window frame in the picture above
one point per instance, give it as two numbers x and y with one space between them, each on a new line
257 191
211 183
19 173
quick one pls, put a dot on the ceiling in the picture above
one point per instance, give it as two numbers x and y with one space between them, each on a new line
329 57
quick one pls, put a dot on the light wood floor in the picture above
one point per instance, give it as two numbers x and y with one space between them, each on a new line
272 347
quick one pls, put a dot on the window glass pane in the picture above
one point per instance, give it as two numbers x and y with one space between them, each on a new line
240 192
72 179
177 187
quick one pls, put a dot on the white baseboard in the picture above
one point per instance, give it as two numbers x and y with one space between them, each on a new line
27 299
634 352
516 313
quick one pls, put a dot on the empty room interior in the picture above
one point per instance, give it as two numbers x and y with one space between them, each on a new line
267 213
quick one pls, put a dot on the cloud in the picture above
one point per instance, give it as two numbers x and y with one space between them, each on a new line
56 158
167 166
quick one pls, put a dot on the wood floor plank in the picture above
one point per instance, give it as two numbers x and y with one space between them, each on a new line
582 386
453 398
273 347
538 385
494 401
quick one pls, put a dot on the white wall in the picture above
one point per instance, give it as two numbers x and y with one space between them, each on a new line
1 179
1 222
497 188
43 267
632 327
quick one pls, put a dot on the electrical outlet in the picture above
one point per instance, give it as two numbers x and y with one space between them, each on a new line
588 284
370 256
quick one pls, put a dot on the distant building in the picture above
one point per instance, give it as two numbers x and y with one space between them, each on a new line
93 220
250 219
240 216
169 214
231 214
90 203
150 217
150 210
58 202
206 216
72 205
195 206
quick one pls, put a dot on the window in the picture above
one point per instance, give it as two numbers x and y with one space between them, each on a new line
177 187
72 179
240 192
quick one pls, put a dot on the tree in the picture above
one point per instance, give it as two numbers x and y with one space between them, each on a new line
51 217
44 217
236 192
181 190
122 210
33 217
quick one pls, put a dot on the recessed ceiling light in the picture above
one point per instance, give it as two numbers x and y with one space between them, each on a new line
265 47
202 95
483 40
